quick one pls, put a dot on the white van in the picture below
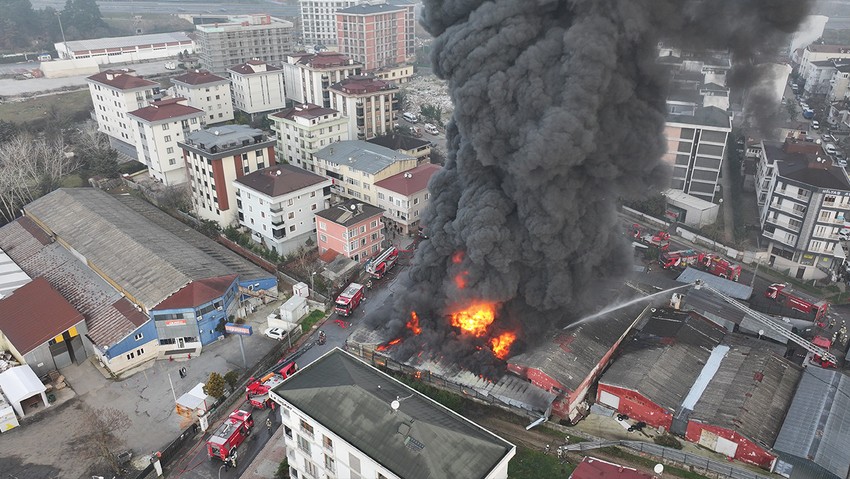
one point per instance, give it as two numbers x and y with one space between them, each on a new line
411 117
830 148
431 129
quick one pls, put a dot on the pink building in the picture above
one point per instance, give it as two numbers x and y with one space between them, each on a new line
352 228
375 35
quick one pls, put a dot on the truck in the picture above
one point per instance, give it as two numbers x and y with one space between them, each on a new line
349 299
660 239
229 435
808 114
257 390
785 295
719 266
678 259
382 263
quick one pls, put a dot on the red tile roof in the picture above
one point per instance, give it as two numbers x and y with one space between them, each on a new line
280 179
34 314
593 468
248 68
198 292
166 109
360 84
306 110
122 79
198 77
326 60
411 181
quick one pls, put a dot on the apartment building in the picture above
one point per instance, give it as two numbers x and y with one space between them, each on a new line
207 92
318 22
369 104
308 76
404 196
806 205
157 128
257 87
352 228
278 205
114 94
243 38
304 130
355 166
375 35
214 158
344 418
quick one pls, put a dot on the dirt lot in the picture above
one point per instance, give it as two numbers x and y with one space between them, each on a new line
72 105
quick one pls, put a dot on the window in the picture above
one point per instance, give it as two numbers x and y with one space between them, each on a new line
362 229
169 150
329 463
303 444
323 238
291 215
322 226
288 431
307 428
381 476
131 356
140 351
165 127
328 443
415 201
292 228
167 138
138 336
374 224
310 468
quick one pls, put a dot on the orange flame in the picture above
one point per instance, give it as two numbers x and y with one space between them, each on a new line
460 280
475 319
501 344
413 324
457 257
384 347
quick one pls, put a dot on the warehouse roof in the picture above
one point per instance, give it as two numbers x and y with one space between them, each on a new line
361 155
198 293
12 276
730 288
128 41
34 314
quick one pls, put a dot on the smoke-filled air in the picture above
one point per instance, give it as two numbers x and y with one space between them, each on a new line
559 109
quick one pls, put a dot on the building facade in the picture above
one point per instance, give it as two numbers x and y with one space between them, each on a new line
114 94
696 148
130 49
278 205
318 22
375 35
352 228
355 166
404 196
304 130
207 92
214 158
369 104
244 37
308 76
157 129
257 87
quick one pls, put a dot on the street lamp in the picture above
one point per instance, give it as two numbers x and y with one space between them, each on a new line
62 30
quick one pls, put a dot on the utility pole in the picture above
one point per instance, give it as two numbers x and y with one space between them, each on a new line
62 30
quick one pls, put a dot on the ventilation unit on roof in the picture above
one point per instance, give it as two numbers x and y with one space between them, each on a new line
408 175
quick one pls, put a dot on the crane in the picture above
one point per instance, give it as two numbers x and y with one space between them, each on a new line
826 358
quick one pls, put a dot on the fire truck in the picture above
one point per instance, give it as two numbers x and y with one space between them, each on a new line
678 259
718 266
800 301
230 434
660 239
382 263
349 299
257 391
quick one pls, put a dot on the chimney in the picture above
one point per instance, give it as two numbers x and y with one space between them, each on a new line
359 208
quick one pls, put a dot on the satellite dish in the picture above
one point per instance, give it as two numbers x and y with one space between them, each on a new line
659 468
761 333
353 207
395 404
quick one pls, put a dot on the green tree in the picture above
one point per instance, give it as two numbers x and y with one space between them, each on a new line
432 112
231 378
215 385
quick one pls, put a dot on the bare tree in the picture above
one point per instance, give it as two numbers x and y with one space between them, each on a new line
101 439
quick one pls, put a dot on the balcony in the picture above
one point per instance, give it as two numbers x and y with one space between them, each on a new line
276 209
789 194
277 222
789 209
784 224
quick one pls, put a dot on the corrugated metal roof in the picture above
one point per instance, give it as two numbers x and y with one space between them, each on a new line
12 276
35 314
361 155
725 286
128 41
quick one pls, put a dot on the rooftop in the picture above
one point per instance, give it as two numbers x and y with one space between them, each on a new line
12 276
397 142
169 109
797 160
412 181
198 77
704 116
361 155
367 9
325 60
34 314
350 212
306 110
421 439
593 468
252 67
197 293
814 47
125 79
280 180
247 22
225 137
362 84
129 41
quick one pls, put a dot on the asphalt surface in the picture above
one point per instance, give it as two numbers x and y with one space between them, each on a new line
175 7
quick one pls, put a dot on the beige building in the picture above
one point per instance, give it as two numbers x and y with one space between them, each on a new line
157 129
114 94
243 38
404 196
305 129
308 76
355 166
207 92
257 87
369 104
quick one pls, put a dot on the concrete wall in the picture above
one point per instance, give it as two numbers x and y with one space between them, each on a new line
67 68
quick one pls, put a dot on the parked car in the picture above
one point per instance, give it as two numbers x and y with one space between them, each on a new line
827 137
815 124
275 333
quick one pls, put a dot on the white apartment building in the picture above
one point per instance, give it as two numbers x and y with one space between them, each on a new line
207 92
114 94
696 148
369 104
278 205
355 166
318 21
344 418
243 38
157 128
257 87
304 130
404 196
214 158
817 52
308 76
806 205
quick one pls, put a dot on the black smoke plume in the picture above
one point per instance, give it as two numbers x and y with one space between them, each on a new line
559 113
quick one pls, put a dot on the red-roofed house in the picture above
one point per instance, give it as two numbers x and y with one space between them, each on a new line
157 129
41 329
593 468
369 104
189 319
207 92
114 94
257 87
404 196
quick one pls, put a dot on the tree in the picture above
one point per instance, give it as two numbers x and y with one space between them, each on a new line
215 385
101 438
95 154
282 470
231 378
432 112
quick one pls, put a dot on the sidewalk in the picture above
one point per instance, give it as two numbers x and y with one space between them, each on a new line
268 459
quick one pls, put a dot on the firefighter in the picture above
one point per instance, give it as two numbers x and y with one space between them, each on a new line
269 424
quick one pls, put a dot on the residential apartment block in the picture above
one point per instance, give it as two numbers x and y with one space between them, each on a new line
318 22
157 129
352 228
308 76
217 156
244 37
696 148
375 35
257 87
304 130
344 418
355 166
114 94
404 196
207 92
369 104
278 205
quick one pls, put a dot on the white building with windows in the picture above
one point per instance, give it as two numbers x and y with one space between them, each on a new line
308 76
157 128
369 104
242 38
404 196
207 92
114 94
355 166
257 87
214 158
278 205
344 418
304 130
318 21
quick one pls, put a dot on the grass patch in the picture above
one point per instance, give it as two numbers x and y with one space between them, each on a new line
531 464
616 452
73 181
314 317
64 105
548 431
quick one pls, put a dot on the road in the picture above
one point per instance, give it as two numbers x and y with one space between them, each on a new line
438 141
176 7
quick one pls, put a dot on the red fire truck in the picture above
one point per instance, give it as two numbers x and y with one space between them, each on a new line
349 299
257 391
678 259
382 263
824 344
718 266
660 239
230 434
800 301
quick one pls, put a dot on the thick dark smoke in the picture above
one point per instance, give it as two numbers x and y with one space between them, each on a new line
559 112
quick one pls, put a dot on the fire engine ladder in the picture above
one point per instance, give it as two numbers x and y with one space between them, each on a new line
381 257
765 321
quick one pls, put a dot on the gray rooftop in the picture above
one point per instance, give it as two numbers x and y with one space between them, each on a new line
368 9
817 426
224 137
143 250
361 155
709 116
133 40
725 286
422 439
